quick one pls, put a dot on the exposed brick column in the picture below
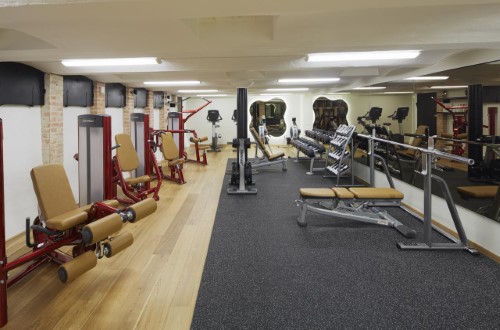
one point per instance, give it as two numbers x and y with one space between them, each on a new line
149 108
128 109
164 113
52 120
99 99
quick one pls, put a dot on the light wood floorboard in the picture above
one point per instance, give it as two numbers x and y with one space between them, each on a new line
151 285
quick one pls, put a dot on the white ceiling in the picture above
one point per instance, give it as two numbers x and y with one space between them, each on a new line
230 43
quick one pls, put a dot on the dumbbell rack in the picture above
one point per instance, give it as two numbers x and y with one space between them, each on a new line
340 155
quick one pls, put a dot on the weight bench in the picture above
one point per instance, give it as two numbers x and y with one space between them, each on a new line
355 203
136 188
268 159
171 161
489 192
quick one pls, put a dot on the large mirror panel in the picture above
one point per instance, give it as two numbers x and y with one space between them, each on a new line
462 113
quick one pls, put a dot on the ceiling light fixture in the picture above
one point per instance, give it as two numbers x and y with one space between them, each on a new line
428 78
398 92
111 61
197 91
212 95
306 80
447 87
369 88
299 89
172 83
363 56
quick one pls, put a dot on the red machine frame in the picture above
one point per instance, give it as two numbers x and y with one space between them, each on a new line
137 194
459 124
181 131
46 241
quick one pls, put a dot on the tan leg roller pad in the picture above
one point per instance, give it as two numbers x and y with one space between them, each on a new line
118 244
76 267
102 228
143 208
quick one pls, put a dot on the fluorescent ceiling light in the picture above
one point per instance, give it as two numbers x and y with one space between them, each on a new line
369 88
172 83
301 89
428 78
363 56
398 92
275 94
111 61
197 91
311 80
212 95
447 87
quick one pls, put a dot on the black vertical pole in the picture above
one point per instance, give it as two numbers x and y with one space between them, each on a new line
241 105
475 125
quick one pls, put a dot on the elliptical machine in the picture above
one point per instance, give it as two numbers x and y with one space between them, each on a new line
214 117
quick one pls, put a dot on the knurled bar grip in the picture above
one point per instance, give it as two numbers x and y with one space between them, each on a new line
72 269
118 244
143 208
102 228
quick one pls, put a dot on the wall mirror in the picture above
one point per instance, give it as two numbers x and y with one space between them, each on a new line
272 113
328 114
445 113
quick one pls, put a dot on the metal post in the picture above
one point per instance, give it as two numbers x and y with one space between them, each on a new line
371 152
3 252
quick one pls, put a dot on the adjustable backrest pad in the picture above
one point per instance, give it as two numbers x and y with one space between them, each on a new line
126 155
168 146
52 190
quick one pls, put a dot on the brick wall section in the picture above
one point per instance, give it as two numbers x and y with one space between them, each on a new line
149 109
163 115
99 99
52 120
128 109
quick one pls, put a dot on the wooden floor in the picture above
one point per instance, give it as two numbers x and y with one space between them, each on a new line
151 285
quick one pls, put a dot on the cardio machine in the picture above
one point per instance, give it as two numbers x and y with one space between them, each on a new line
214 117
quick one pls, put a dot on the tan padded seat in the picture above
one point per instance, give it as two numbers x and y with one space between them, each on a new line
67 220
317 192
417 142
342 193
479 191
275 156
376 193
140 179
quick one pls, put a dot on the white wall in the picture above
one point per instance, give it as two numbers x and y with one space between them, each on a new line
203 127
70 137
22 151
156 119
116 121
